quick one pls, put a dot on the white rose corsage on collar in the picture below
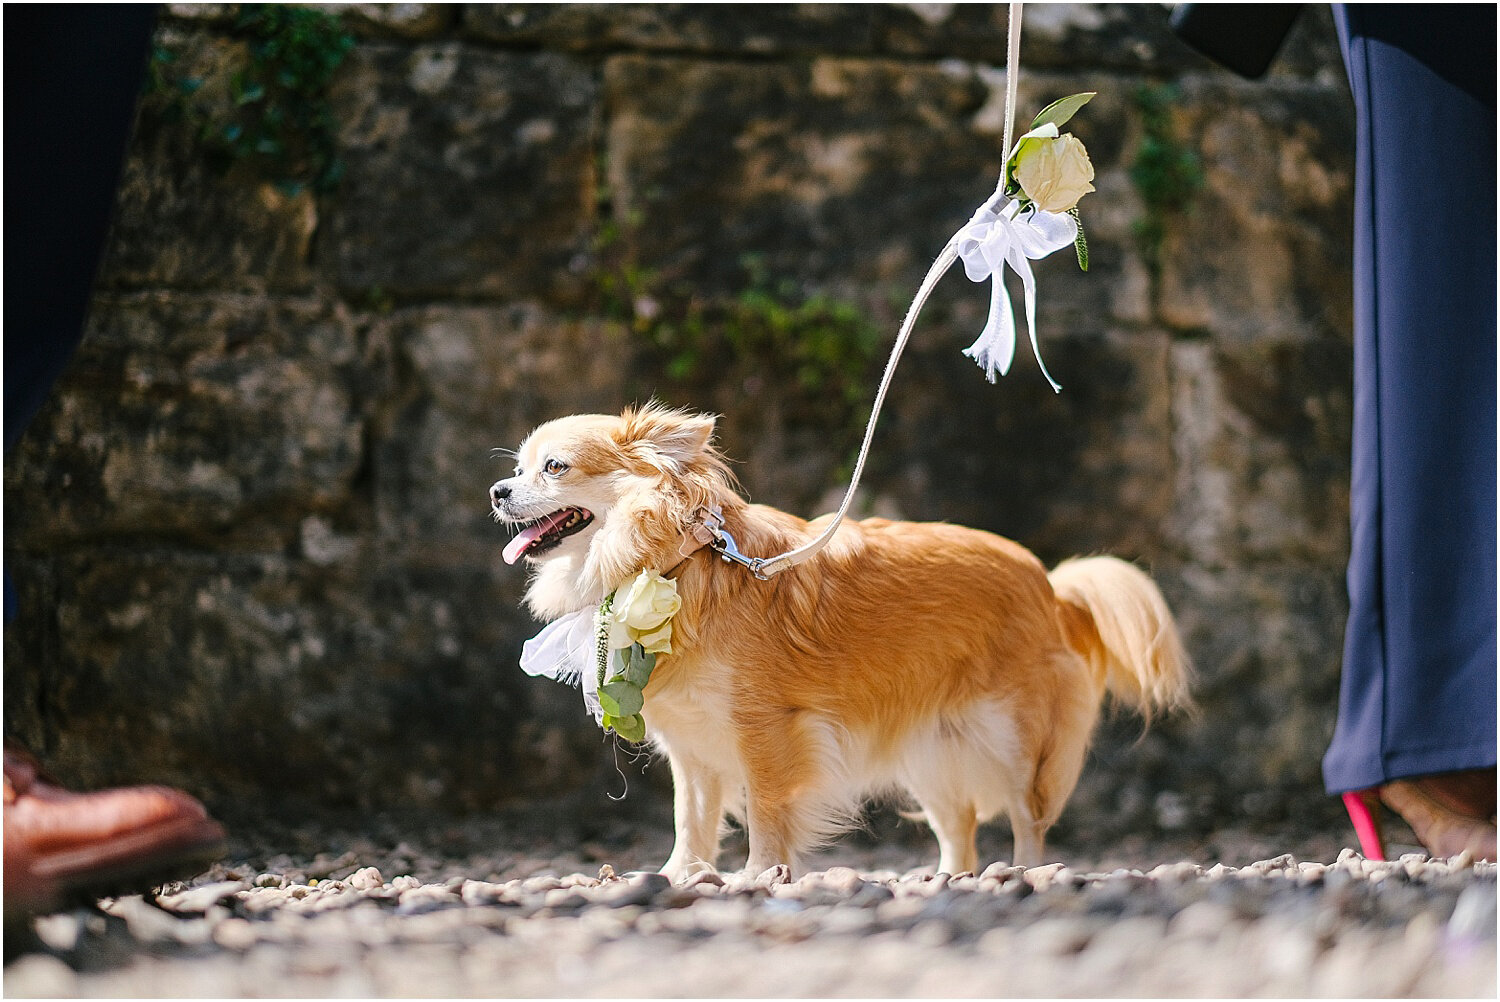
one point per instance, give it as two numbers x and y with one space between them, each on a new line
610 652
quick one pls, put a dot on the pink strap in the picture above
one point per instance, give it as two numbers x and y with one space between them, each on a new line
1366 824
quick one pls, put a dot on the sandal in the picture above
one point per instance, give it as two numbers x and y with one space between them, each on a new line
1449 812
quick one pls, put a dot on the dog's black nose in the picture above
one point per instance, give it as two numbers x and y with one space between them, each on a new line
499 493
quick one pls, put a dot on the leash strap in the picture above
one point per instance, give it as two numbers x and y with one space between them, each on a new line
765 567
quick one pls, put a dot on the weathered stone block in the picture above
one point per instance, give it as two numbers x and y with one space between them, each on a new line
1096 36
803 163
1261 442
760 29
800 160
234 676
468 172
183 220
1279 177
1070 473
1112 36
480 379
1265 637
215 420
417 21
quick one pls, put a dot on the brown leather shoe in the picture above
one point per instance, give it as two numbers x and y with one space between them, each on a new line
61 846
1449 812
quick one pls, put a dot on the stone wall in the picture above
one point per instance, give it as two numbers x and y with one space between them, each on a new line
249 532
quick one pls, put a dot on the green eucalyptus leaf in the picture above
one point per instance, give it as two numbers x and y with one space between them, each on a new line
1064 108
631 728
639 666
621 699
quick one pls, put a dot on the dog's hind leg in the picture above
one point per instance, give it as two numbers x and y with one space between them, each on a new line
1033 814
697 811
1055 775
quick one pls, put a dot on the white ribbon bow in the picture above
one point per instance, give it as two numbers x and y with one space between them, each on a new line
989 242
567 651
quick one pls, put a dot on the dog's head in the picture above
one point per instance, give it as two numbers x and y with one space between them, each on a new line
598 498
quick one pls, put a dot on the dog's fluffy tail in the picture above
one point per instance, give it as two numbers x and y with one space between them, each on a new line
1116 617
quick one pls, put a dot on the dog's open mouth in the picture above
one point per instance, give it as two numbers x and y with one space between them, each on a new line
546 532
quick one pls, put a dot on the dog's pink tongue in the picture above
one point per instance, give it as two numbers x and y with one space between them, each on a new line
529 535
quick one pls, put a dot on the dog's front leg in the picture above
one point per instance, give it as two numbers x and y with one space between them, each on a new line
697 810
773 841
777 793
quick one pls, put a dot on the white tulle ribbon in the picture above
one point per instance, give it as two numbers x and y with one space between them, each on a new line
987 243
567 651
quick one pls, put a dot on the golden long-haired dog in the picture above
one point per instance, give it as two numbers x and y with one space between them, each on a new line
927 658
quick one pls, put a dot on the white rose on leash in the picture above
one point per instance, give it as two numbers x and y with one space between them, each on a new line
1054 173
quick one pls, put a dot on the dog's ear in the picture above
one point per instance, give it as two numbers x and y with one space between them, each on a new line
667 439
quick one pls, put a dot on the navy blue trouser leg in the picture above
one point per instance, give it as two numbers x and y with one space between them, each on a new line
1418 685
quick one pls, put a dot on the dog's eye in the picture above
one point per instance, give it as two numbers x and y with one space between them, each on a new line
555 468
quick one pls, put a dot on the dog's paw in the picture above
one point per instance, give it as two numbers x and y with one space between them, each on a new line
694 871
703 878
752 879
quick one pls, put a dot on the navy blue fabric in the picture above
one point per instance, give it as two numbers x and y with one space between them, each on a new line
1418 686
73 75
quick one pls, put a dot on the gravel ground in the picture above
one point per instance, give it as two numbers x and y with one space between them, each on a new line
445 914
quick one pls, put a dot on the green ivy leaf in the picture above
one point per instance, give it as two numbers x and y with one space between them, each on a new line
621 699
1062 109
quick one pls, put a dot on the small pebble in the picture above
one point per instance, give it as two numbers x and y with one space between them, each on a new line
366 879
425 898
843 879
235 934
60 932
638 889
778 874
540 885
1003 872
564 899
197 900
